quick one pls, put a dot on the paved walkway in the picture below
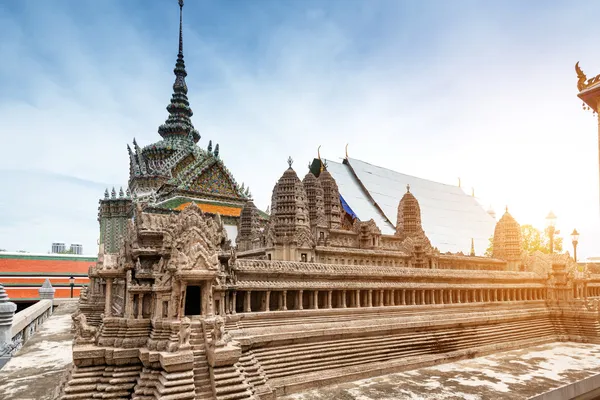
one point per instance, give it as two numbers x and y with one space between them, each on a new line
34 372
516 374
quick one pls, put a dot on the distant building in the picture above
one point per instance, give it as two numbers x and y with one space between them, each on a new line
76 248
58 247
61 248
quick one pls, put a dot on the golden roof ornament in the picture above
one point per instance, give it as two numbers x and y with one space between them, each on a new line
580 77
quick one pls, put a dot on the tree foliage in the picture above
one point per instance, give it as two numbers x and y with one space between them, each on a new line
533 240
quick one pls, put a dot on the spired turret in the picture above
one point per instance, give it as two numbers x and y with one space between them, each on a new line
409 216
290 235
508 242
331 200
249 228
178 124
316 207
410 230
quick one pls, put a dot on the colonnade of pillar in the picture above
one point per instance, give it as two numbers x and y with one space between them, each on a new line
282 300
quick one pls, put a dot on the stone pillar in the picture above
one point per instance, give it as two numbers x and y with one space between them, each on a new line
267 301
442 299
403 297
7 312
300 300
234 301
412 297
459 296
343 299
140 305
370 298
392 297
248 302
46 292
108 300
284 300
481 299
432 294
495 294
329 298
381 298
357 295
316 299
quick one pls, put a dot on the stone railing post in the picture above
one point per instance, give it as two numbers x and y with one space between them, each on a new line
7 312
47 292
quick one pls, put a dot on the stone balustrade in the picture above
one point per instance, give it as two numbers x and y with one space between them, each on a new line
16 329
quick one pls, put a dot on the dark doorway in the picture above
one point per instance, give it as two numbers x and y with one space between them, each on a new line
193 300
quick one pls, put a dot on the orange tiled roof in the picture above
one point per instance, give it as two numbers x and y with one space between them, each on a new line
214 209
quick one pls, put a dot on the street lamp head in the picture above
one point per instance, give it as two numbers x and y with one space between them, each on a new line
551 220
575 236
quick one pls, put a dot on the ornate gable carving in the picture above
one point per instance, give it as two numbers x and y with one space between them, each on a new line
215 181
194 241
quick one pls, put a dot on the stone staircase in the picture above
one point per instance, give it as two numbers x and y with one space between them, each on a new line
326 356
105 382
230 383
202 381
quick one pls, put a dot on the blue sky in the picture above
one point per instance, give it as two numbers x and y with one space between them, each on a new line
485 91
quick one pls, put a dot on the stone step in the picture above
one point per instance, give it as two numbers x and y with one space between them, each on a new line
247 394
289 369
359 340
278 365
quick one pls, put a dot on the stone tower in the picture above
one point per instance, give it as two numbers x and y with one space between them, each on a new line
331 200
290 220
409 216
316 207
508 243
249 228
113 214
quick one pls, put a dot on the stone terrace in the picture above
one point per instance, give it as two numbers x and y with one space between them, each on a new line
34 372
516 374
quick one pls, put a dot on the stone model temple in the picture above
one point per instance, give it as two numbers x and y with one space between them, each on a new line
309 295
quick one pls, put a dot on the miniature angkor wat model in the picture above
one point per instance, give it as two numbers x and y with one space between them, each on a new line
309 295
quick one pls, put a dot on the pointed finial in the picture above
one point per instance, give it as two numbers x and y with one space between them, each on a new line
105 194
217 150
290 160
459 181
181 27
210 146
121 194
472 247
128 193
346 150
506 209
407 188
319 152
113 193
473 192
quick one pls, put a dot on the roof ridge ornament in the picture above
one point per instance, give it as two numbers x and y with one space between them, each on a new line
346 151
290 161
407 188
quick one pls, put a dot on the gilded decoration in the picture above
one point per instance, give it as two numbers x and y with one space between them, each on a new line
582 81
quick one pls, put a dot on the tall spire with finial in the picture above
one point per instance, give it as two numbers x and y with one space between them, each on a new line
179 124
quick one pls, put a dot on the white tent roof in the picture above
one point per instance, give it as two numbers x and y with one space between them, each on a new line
450 217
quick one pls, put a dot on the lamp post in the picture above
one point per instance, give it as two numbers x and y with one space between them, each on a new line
72 283
575 240
551 225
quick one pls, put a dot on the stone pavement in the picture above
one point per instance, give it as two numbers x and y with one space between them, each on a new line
516 374
34 372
